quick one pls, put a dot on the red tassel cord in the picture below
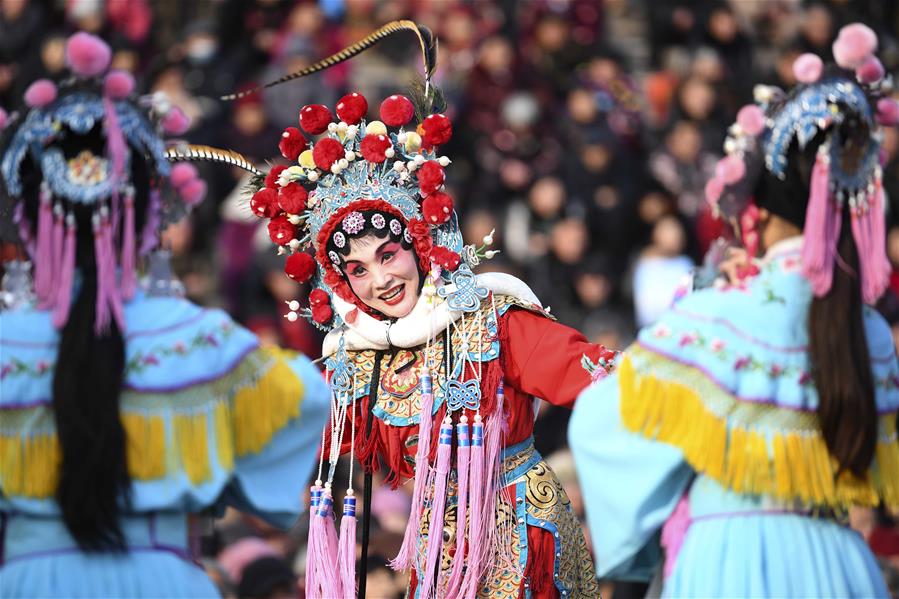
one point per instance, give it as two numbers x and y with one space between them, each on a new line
438 507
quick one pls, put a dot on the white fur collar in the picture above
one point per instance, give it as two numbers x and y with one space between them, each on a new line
425 321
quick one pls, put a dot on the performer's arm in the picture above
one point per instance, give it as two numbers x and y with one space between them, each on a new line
544 358
630 484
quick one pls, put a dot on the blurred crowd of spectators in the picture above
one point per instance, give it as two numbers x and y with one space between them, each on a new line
585 131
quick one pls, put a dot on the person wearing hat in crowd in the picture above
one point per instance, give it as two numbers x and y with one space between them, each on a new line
745 422
127 413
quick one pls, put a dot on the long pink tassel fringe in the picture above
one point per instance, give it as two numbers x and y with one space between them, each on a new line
58 244
463 458
66 276
312 590
438 507
322 556
408 553
129 275
43 262
477 483
822 229
346 548
868 230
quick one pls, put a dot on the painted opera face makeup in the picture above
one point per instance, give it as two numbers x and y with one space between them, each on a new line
383 275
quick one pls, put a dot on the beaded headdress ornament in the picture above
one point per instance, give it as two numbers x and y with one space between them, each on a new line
847 172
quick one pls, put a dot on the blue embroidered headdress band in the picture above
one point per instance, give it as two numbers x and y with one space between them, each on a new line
843 108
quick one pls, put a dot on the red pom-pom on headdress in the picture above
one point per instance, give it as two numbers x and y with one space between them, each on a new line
300 267
320 304
314 118
351 108
40 93
430 177
326 152
118 85
292 198
436 130
374 148
445 257
397 110
271 179
437 208
280 230
87 55
292 143
264 203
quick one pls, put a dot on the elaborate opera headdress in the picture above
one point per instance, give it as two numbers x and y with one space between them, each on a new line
48 141
350 173
846 105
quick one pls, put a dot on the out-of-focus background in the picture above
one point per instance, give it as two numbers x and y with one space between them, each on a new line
585 131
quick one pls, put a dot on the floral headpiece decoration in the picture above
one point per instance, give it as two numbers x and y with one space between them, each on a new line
132 126
847 173
346 170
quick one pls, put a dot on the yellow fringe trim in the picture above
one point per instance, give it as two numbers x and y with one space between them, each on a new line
165 438
755 449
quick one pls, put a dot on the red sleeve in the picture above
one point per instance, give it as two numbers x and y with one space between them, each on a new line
543 358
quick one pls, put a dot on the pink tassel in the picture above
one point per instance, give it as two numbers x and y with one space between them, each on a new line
323 553
463 455
477 483
346 547
149 236
493 441
408 553
312 587
673 533
822 229
869 232
43 262
58 243
438 506
129 276
116 149
66 276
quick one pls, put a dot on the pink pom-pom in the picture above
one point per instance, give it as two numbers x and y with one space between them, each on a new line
713 190
751 119
182 174
855 43
888 112
808 68
118 85
730 169
40 93
193 192
175 122
3 119
87 55
871 71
